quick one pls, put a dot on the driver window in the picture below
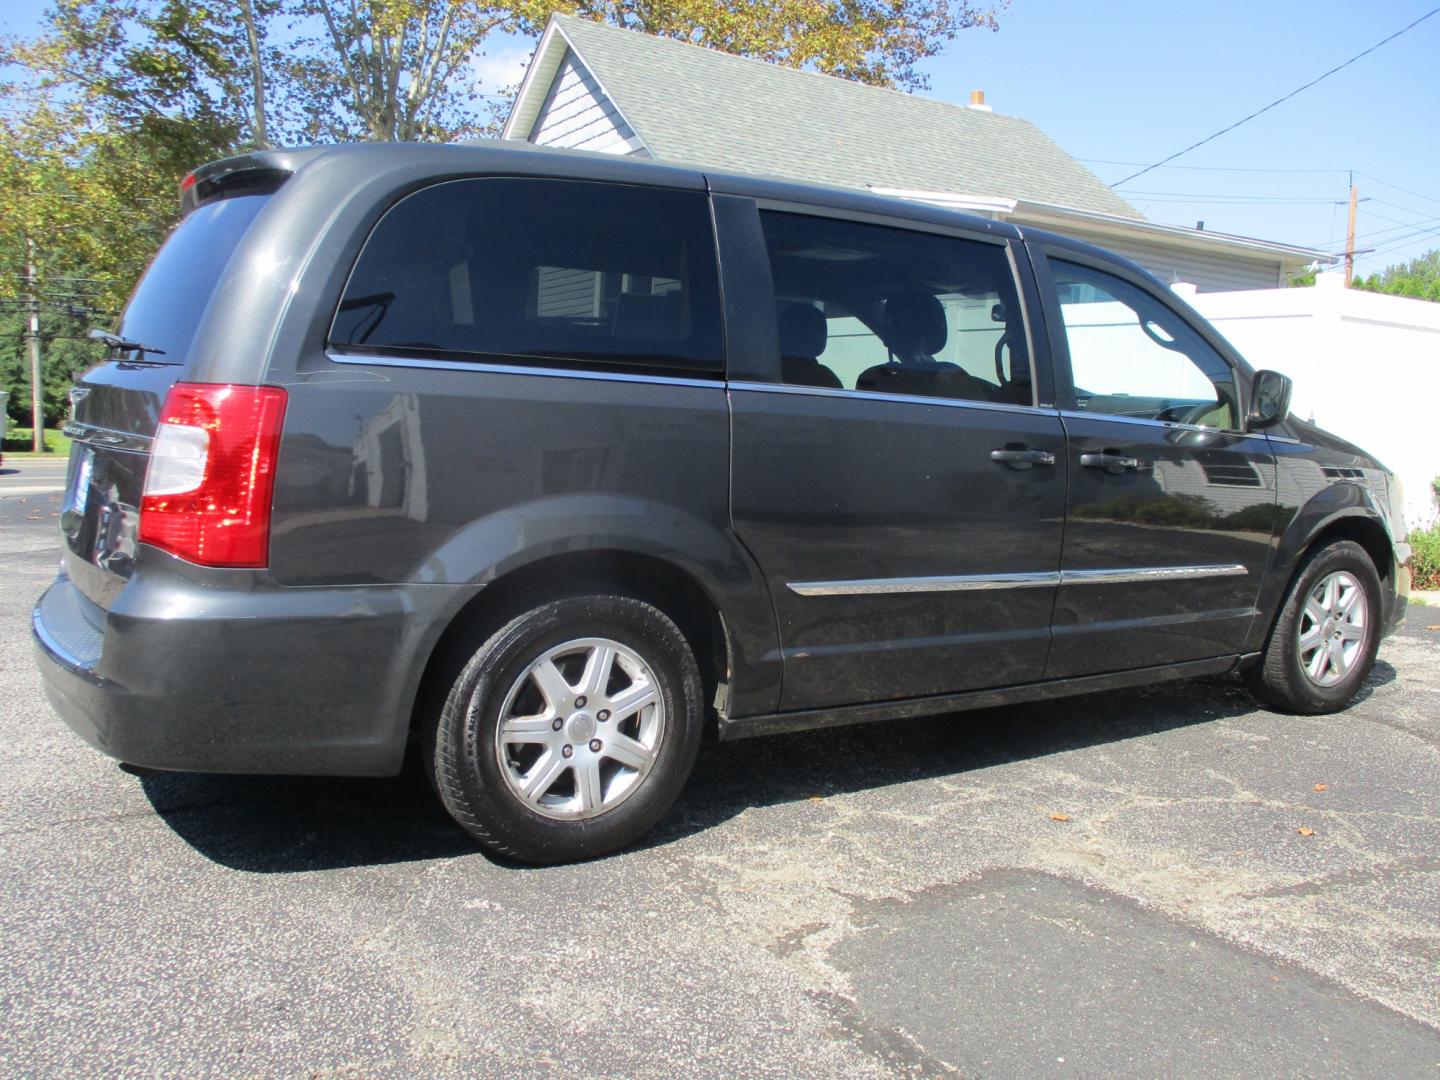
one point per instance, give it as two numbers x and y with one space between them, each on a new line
1131 355
884 310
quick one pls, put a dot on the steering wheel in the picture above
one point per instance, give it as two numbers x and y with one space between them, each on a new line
1000 347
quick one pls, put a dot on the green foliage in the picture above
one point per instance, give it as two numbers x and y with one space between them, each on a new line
64 354
21 441
1418 279
1425 558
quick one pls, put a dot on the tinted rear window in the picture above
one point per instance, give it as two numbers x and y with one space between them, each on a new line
551 270
166 307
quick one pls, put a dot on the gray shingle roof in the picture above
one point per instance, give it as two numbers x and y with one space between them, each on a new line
695 105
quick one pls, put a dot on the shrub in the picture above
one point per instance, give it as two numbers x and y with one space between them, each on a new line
1425 560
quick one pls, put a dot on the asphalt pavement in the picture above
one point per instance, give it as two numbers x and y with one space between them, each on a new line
1155 882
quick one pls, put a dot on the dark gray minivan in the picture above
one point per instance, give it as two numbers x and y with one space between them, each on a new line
540 463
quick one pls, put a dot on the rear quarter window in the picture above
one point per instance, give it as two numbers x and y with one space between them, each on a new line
557 271
170 300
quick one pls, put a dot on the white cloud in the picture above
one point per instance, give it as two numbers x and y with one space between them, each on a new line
501 64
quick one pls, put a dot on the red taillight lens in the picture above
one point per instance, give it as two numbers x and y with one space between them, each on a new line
212 473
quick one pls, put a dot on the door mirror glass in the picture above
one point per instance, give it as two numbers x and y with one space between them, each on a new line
1269 399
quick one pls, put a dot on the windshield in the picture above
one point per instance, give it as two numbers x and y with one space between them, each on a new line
168 303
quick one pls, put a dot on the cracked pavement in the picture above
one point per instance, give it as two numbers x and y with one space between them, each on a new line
1111 885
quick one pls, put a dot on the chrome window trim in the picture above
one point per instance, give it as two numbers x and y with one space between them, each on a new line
871 395
981 582
1168 425
434 363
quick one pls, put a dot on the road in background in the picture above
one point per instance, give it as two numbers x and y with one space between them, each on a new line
1152 882
21 477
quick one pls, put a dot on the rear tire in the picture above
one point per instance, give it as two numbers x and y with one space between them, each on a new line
571 730
1324 640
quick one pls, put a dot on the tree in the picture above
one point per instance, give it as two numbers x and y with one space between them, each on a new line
1418 279
879 42
386 69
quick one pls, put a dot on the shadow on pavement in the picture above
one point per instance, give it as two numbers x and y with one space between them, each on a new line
291 824
297 824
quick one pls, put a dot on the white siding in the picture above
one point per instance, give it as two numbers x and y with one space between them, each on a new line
578 115
1366 367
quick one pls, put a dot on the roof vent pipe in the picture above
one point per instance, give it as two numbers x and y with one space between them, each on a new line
977 101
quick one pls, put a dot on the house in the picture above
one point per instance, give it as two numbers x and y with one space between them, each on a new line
596 87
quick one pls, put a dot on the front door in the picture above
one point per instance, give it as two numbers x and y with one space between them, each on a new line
894 478
1171 504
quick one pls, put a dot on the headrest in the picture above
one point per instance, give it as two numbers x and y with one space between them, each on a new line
803 331
914 324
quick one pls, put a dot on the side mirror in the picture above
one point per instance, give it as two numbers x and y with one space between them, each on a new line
1269 400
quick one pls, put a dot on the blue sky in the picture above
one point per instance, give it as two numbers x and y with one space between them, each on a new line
1136 80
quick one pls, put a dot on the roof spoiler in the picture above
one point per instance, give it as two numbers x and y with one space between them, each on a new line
249 174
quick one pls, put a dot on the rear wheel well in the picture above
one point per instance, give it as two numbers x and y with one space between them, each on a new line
643 577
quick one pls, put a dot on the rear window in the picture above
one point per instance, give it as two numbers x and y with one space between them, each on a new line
168 303
550 270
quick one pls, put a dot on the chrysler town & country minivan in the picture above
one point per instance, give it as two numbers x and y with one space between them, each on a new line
541 464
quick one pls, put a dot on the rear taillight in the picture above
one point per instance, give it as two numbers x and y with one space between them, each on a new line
212 472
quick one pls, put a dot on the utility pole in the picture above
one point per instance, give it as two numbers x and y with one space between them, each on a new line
1350 234
37 388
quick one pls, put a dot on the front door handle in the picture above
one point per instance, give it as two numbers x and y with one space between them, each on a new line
1109 462
1022 457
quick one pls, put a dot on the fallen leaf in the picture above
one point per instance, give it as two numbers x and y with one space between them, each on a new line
817 798
1321 787
1305 831
1059 817
1433 627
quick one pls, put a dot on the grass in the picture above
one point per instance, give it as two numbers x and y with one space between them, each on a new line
18 442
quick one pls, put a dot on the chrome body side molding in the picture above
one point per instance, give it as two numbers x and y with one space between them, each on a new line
979 582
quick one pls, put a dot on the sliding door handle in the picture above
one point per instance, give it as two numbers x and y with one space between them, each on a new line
1109 462
1022 457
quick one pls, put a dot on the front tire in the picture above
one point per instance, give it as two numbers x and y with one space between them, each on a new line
1324 641
571 730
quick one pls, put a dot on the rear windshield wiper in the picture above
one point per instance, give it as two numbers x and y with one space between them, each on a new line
115 341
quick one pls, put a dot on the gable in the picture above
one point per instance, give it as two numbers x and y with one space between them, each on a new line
577 114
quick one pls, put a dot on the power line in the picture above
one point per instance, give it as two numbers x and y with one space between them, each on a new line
1281 100
1397 187
1235 200
1211 168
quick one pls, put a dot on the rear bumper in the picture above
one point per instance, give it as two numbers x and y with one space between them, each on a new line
284 680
